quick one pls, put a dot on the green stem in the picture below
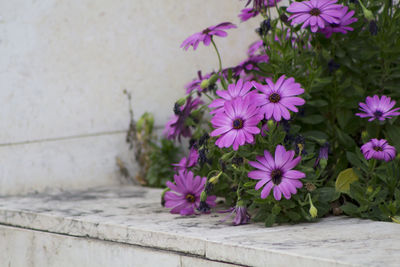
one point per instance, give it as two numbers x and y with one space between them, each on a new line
219 56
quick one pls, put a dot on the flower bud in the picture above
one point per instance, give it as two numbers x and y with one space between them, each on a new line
313 211
204 84
271 125
203 196
367 13
369 190
213 79
181 101
365 136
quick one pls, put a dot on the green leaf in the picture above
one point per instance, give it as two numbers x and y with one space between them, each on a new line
345 178
270 220
317 103
312 119
350 209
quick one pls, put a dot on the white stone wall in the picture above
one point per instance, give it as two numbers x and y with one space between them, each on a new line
64 65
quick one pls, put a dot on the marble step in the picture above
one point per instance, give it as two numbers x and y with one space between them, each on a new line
126 226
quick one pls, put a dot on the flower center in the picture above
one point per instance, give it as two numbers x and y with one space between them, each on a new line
190 198
315 12
274 98
237 124
378 114
206 31
276 176
378 148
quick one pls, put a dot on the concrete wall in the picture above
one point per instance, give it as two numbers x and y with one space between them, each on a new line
64 65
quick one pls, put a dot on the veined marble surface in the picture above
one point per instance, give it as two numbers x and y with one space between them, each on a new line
133 215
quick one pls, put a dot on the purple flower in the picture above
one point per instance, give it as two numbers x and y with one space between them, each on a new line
378 149
258 4
345 19
241 215
188 162
315 13
250 64
247 13
240 89
277 98
237 124
323 154
176 127
378 108
255 47
206 35
184 197
277 173
195 84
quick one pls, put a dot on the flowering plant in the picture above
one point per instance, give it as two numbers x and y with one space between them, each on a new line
280 136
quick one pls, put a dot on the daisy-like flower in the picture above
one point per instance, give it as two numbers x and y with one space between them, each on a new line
240 89
188 162
176 127
258 4
206 35
277 173
184 197
237 124
345 19
277 98
378 149
378 108
315 13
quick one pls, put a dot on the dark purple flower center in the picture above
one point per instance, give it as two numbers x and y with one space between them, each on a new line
206 31
315 12
237 124
276 176
274 98
378 148
190 198
334 25
378 114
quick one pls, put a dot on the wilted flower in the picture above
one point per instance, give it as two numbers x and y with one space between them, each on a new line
247 13
345 19
188 162
250 64
373 27
378 108
176 127
206 35
277 173
323 154
184 196
241 215
277 98
240 89
378 149
237 124
265 26
255 47
316 14
195 84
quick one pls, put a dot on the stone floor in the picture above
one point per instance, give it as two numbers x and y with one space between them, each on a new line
83 224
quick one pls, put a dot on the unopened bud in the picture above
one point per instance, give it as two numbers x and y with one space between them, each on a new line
323 163
181 101
370 189
367 13
203 196
271 125
313 210
365 136
204 84
213 79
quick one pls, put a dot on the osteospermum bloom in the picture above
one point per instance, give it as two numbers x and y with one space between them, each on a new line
315 13
378 108
237 124
345 19
176 127
378 149
240 89
241 215
206 35
188 162
184 197
278 98
277 173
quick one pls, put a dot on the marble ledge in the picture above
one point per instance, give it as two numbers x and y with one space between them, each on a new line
133 215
